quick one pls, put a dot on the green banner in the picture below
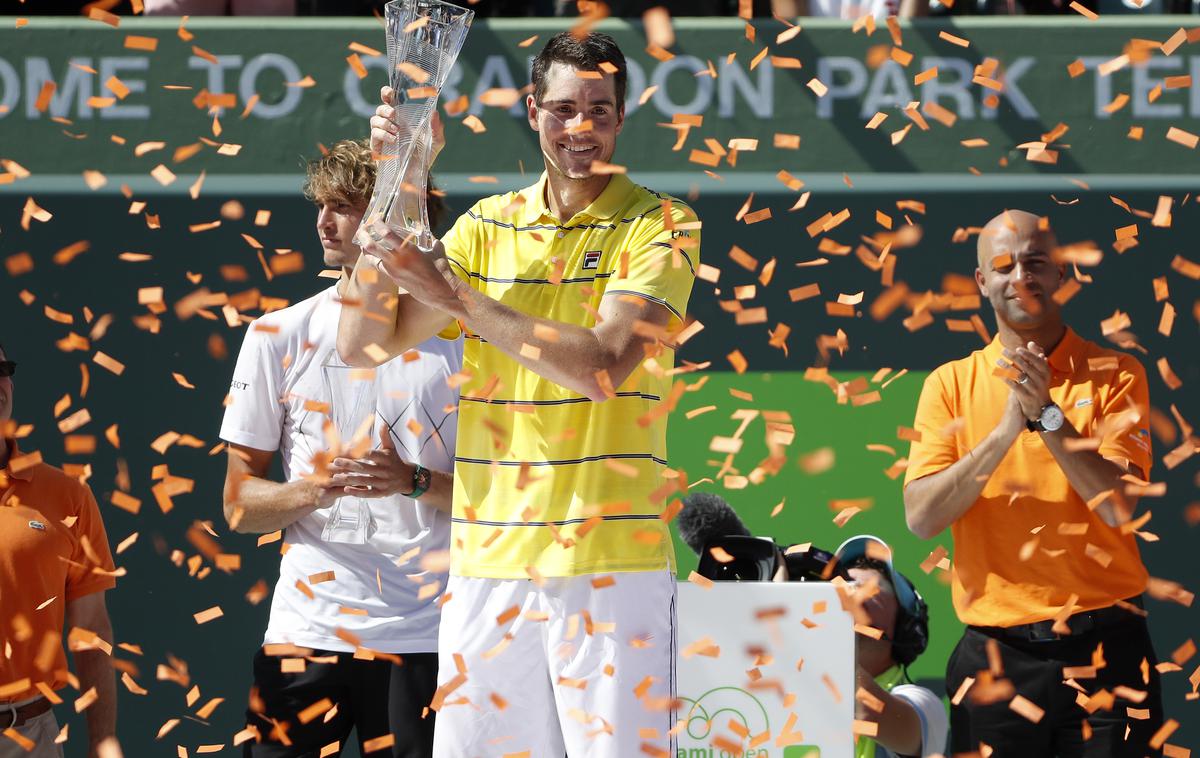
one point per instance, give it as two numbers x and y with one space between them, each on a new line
254 96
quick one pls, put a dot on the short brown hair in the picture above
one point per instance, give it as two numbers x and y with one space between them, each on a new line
585 54
346 172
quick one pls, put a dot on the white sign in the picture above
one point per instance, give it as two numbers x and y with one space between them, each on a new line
765 670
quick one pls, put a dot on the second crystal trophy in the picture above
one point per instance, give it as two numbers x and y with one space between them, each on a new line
424 38
352 411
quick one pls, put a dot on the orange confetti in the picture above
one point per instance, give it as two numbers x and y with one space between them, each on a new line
1083 11
146 44
1179 136
203 617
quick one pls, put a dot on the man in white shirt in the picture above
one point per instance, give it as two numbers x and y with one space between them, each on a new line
365 499
911 720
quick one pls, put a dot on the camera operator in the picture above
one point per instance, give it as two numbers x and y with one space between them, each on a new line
892 620
912 720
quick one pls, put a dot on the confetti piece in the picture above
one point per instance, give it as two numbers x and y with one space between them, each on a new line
1165 731
145 44
787 141
1083 11
700 581
656 22
387 740
1169 377
1187 139
1027 709
473 123
948 37
1173 43
163 175
737 361
356 65
203 617
103 16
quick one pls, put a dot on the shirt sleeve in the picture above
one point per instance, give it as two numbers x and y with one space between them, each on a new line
931 711
1127 439
935 450
254 415
463 242
91 550
661 263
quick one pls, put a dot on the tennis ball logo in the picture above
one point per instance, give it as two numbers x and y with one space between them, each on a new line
711 713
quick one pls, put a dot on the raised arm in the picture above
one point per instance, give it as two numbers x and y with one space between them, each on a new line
1092 473
377 316
936 500
898 722
378 323
593 362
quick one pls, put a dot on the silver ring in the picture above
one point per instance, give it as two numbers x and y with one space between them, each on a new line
1024 379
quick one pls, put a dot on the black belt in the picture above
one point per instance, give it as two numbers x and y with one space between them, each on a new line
23 713
1077 624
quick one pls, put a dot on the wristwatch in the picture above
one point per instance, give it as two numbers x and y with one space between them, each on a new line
420 482
1050 420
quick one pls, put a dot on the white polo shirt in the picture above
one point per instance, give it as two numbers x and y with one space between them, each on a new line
289 359
935 725
851 10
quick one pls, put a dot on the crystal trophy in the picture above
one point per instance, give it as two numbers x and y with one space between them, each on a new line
352 404
424 38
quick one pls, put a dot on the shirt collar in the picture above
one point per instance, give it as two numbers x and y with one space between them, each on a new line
606 205
891 677
1062 359
535 202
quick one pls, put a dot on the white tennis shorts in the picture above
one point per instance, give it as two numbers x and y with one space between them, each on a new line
578 666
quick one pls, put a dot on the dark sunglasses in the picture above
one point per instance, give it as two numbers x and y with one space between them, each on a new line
8 368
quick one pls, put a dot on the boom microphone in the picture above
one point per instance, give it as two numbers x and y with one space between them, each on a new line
706 517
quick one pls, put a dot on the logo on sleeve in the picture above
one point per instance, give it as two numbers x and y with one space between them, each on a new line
235 384
591 260
37 525
1141 438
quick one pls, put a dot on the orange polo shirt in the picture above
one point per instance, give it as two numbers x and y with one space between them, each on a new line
51 541
1029 542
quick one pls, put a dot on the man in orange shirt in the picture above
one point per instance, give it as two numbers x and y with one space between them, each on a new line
54 567
1026 450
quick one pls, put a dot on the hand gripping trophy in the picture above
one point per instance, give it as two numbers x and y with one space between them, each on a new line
424 38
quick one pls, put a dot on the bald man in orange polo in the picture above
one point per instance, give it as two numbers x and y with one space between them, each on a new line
55 567
1026 449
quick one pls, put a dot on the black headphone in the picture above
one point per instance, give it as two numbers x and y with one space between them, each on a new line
912 627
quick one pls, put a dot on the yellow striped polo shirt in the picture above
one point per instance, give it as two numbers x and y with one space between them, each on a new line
545 479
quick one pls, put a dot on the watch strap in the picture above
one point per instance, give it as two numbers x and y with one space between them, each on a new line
420 481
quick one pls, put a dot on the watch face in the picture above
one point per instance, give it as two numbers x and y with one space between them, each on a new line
1052 418
423 478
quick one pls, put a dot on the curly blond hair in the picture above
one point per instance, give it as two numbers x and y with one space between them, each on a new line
345 173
